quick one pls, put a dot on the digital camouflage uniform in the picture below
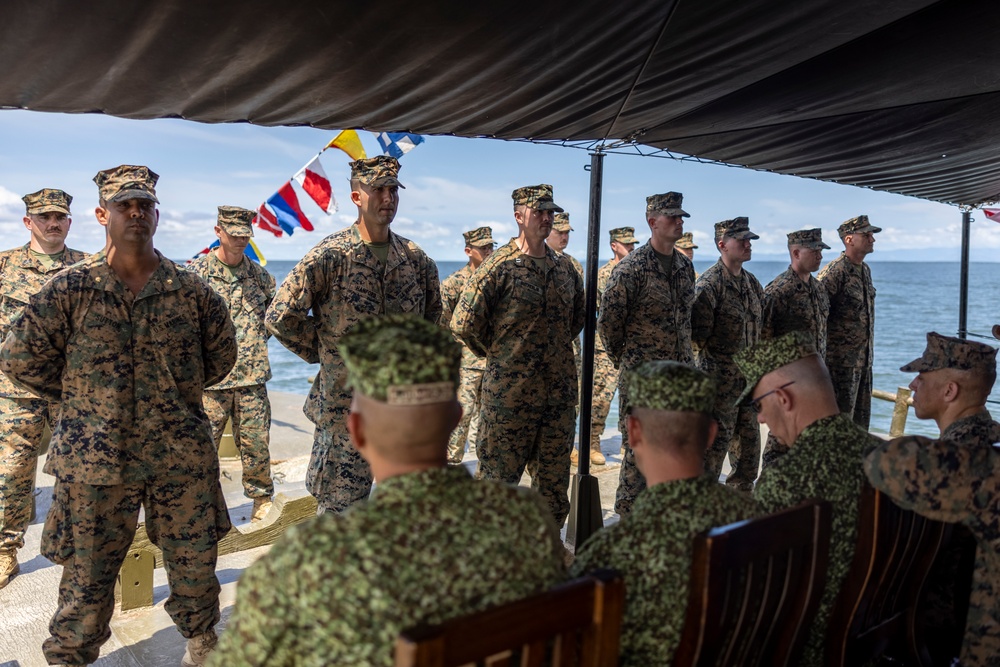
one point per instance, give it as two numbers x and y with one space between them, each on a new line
651 547
686 242
725 319
523 318
605 373
338 283
248 290
645 314
851 328
23 415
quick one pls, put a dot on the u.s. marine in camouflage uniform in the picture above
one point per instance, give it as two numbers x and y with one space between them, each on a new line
788 386
479 245
248 290
363 271
126 341
687 247
339 589
726 319
851 325
795 301
670 427
23 415
954 478
521 310
558 239
646 314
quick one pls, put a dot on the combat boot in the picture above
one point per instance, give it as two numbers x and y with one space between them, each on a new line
198 648
261 506
8 566
597 457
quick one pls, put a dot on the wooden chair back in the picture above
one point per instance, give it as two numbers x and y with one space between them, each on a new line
877 606
574 624
754 590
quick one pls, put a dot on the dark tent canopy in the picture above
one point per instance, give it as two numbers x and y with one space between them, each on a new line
897 95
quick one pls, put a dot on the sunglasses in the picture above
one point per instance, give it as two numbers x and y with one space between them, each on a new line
755 403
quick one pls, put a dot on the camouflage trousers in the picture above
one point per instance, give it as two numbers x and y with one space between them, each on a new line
337 475
468 428
853 387
88 531
630 481
250 410
22 422
605 384
739 435
533 438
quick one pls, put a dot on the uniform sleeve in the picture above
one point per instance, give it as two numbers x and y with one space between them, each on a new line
831 278
432 288
269 286
930 477
33 354
703 311
471 321
218 337
289 317
771 300
579 306
613 314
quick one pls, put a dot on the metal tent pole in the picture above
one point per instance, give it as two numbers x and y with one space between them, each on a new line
585 515
963 297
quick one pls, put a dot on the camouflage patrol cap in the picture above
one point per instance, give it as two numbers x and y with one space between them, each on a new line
737 228
808 238
956 353
480 236
377 172
236 221
668 203
623 235
686 241
560 223
401 360
538 197
670 385
127 182
858 225
47 200
769 355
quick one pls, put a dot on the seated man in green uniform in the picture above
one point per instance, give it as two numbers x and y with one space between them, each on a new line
669 427
789 388
955 478
338 589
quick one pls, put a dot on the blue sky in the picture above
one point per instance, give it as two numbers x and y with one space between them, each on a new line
451 185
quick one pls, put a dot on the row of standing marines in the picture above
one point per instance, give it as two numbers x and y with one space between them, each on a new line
117 352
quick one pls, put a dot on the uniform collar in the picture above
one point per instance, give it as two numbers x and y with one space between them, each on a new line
164 279
363 255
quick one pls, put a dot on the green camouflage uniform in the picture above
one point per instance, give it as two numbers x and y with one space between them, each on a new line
725 319
472 369
338 283
523 318
129 374
605 373
248 290
22 415
645 314
339 589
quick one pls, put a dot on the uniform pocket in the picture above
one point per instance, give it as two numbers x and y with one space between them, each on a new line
57 532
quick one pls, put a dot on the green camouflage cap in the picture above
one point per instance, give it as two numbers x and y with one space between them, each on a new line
623 235
538 197
769 355
808 238
669 203
127 182
480 236
686 241
377 172
47 200
670 385
737 228
560 222
236 221
401 360
858 225
948 352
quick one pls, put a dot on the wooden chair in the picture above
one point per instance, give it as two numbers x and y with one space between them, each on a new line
755 587
877 606
574 624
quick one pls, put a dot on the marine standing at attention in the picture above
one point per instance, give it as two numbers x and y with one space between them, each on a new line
687 247
851 325
955 478
725 320
479 245
558 239
127 341
645 314
339 589
670 426
521 310
248 290
363 271
23 415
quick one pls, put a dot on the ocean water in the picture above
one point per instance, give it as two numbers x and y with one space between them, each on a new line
912 298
